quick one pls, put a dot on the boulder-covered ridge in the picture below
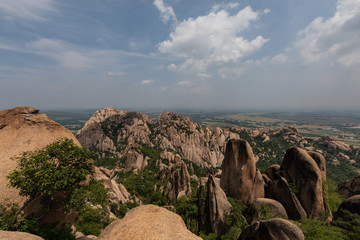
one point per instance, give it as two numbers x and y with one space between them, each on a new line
122 135
24 129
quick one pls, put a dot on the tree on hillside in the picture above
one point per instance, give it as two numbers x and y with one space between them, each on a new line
59 169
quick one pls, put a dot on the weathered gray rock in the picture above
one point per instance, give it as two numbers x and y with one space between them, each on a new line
349 187
148 222
239 171
261 206
117 192
302 170
274 229
6 235
219 207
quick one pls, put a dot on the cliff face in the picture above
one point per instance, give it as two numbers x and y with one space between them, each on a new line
24 129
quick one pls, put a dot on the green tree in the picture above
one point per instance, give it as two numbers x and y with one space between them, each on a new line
59 168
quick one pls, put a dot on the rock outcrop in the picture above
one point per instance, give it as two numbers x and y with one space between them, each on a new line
148 222
175 181
6 235
262 206
117 192
239 177
273 229
120 134
352 204
218 205
24 129
302 171
349 187
279 190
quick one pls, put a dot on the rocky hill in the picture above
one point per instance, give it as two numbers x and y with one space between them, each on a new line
121 139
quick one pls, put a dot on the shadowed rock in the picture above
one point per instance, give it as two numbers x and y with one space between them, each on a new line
352 204
274 229
349 187
267 206
280 191
219 207
273 171
301 169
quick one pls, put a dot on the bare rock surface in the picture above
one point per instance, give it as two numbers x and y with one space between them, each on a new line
7 235
24 129
117 191
148 222
273 229
239 171
218 205
114 132
302 170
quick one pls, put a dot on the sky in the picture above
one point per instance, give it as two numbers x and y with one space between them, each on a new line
192 54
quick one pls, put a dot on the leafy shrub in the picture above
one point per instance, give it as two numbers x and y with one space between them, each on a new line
90 221
335 199
316 230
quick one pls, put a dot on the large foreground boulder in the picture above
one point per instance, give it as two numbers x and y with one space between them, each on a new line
6 235
274 229
24 129
148 222
239 177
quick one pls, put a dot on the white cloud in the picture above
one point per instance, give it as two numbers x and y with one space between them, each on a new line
163 89
185 83
166 11
214 38
65 54
26 9
147 82
231 73
116 73
203 75
338 35
223 5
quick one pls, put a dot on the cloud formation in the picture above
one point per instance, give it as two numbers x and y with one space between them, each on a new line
147 82
337 36
214 38
26 9
166 12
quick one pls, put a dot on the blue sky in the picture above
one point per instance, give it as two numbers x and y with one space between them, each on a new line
202 54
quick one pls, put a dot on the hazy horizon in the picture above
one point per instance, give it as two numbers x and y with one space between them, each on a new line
170 54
